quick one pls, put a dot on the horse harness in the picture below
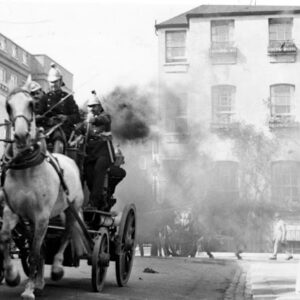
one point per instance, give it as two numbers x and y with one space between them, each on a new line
29 158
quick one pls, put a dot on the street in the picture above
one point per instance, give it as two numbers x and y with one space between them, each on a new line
253 277
177 278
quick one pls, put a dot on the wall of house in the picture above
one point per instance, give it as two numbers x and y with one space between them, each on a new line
252 74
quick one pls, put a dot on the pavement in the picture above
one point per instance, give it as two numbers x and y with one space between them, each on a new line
260 278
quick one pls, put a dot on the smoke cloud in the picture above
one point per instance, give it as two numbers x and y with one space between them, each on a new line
179 172
132 113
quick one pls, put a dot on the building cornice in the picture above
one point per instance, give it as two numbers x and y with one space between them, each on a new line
241 14
11 64
183 20
166 26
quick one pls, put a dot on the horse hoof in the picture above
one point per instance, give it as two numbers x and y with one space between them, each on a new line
16 281
58 275
27 296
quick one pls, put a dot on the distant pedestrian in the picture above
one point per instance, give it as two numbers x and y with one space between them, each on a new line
166 238
279 237
204 244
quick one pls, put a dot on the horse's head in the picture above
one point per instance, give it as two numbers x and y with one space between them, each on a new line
20 109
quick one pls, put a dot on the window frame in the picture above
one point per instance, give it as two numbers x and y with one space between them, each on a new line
280 26
287 190
14 51
179 103
175 58
25 58
216 97
3 41
219 41
3 79
274 98
14 82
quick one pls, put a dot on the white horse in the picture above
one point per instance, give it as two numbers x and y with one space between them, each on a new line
33 191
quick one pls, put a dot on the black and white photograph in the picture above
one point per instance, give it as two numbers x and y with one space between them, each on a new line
150 149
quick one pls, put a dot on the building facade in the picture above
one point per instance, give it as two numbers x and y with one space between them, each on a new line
223 67
15 65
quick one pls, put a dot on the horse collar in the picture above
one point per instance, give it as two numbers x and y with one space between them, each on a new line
28 159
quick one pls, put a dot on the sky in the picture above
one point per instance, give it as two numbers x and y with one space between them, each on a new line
104 43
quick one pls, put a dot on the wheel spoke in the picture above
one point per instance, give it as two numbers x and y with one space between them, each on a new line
125 254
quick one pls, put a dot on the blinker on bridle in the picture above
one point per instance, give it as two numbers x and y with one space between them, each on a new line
13 119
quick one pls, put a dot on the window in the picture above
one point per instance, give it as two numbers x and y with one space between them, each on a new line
225 177
14 51
2 43
281 99
223 98
25 58
175 46
2 75
280 30
222 33
285 182
13 80
176 114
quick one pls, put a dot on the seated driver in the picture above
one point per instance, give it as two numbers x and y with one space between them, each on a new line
57 107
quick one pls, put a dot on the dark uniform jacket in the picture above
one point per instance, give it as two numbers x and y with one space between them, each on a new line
96 142
68 108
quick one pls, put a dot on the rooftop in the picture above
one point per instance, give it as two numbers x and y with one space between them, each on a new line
208 11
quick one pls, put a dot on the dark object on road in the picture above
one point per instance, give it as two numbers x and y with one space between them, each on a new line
149 270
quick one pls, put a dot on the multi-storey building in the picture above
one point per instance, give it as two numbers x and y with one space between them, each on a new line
223 65
15 65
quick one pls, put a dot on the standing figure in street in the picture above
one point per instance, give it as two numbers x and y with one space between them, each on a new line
57 108
279 237
99 151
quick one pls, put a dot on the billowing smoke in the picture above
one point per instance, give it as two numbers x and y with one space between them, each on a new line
186 170
132 113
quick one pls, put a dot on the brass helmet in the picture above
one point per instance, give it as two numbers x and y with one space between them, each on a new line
35 86
54 73
94 100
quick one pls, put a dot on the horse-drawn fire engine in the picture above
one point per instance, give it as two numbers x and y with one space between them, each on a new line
106 236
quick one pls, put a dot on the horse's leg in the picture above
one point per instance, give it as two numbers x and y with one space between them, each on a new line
40 281
10 220
57 271
35 258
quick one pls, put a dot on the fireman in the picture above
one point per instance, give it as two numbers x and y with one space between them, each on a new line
36 91
116 174
57 107
99 151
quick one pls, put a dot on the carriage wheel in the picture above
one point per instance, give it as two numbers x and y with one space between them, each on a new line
100 260
126 245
